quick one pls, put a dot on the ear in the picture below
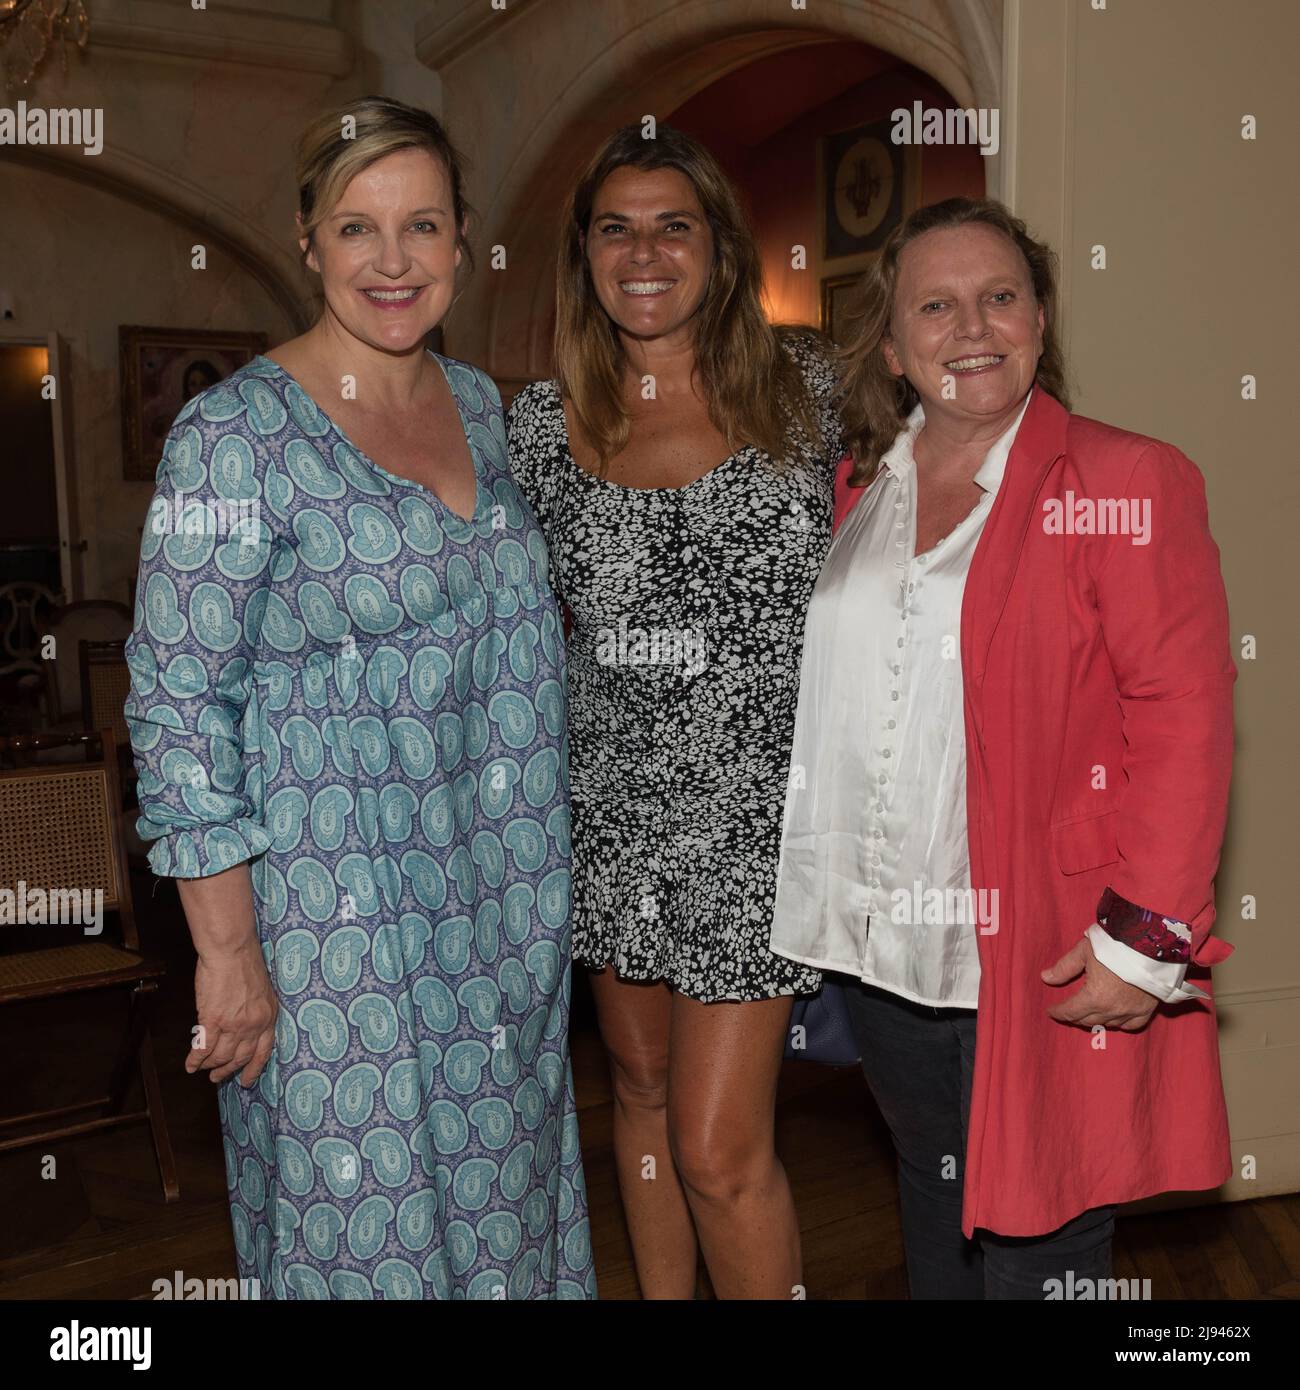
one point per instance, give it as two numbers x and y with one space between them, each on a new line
305 246
890 356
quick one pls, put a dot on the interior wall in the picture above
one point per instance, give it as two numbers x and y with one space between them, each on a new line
200 113
139 274
1131 141
777 172
580 71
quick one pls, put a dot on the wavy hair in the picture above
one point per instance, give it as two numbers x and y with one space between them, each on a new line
754 391
874 403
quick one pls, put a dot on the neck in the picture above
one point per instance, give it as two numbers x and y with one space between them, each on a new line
960 443
383 380
670 359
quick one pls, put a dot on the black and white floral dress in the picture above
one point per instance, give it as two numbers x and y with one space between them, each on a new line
688 609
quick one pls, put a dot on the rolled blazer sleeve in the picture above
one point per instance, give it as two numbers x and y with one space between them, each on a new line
202 592
1164 620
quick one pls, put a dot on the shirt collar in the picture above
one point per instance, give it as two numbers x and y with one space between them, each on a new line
898 459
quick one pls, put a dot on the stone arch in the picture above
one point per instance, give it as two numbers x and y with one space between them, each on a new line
143 184
655 65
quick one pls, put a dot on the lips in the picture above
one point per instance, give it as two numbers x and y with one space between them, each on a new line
986 362
397 297
646 289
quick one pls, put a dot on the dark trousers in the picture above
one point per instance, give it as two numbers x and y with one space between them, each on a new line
919 1062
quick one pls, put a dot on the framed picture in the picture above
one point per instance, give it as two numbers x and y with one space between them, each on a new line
866 186
161 369
839 299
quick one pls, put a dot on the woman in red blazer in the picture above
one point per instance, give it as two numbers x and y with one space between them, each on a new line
1013 751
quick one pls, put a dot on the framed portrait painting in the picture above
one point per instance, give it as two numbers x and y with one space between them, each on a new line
161 369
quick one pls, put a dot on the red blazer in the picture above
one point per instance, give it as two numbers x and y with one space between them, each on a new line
1098 688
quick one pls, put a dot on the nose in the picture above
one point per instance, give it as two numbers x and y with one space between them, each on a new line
972 321
391 256
644 248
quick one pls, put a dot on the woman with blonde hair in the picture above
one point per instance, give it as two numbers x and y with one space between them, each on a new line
681 466
348 717
1013 744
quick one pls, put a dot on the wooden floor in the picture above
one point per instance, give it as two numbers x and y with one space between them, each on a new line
99 1227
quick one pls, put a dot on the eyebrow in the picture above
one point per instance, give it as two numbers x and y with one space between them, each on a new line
939 292
659 217
442 212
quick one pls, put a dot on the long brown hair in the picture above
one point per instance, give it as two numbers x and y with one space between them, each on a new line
754 391
874 403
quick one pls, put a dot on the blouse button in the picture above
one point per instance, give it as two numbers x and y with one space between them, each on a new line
893 694
892 724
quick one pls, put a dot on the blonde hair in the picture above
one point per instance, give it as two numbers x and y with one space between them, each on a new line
874 403
327 160
753 389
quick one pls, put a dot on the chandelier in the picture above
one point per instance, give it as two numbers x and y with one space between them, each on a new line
28 28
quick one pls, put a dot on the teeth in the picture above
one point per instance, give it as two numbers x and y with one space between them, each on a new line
646 286
391 296
968 364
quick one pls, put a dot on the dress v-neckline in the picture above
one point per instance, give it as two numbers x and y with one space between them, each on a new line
384 472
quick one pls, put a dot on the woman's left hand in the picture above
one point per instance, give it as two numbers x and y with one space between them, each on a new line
1104 1000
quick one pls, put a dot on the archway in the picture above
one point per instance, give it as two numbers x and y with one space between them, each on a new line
586 83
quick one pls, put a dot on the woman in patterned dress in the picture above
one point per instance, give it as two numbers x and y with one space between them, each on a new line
681 466
348 718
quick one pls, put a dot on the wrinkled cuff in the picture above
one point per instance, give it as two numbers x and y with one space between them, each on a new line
201 851
1165 979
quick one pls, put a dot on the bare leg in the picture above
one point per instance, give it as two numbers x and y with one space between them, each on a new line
634 1024
723 1064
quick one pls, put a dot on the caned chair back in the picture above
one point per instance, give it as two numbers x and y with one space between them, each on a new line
60 830
105 684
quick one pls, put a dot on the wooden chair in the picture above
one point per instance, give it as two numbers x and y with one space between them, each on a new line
60 828
105 685
91 621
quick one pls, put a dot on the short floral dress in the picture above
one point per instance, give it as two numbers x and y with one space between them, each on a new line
687 608
341 681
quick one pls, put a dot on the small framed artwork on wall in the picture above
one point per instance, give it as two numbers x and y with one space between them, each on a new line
867 184
839 302
161 369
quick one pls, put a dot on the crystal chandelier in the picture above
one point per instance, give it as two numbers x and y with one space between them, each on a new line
28 28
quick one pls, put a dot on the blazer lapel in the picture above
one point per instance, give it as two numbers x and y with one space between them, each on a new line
1039 442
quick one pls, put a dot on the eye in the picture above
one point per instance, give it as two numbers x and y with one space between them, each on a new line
933 304
431 227
684 226
1005 295
346 230
608 227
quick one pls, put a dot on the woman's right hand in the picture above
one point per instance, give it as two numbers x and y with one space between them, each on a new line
236 1007
233 994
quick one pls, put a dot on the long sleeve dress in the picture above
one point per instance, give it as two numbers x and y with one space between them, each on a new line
342 682
688 608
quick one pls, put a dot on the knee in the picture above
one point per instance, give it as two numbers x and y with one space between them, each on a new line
640 1081
719 1167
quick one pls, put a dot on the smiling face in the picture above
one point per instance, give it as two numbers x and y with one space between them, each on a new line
650 250
387 253
965 311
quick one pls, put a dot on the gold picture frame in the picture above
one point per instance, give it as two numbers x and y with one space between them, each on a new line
159 370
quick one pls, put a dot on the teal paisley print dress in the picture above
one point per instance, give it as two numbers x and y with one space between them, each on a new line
342 682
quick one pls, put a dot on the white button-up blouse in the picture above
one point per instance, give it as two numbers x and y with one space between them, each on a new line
874 875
